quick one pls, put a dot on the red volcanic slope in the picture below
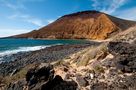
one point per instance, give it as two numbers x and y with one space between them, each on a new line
81 25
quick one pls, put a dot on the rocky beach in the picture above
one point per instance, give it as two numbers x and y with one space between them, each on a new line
48 55
109 65
107 61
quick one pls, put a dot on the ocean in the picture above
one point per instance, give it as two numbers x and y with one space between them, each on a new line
12 46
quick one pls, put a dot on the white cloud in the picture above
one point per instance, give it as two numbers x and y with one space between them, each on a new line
112 7
30 19
35 21
27 18
108 6
10 32
129 14
17 4
95 4
50 21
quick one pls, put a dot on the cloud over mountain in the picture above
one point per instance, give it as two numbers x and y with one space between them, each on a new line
108 6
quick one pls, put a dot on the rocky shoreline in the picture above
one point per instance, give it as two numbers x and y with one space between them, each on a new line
102 66
49 54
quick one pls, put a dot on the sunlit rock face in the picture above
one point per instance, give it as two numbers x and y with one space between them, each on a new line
81 25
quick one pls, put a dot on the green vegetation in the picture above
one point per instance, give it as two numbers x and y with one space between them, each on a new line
92 53
99 69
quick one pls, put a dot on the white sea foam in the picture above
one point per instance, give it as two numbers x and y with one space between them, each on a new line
21 49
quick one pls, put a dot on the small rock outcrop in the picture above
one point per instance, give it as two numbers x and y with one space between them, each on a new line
42 79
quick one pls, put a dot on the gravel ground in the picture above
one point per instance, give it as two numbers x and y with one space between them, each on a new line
45 55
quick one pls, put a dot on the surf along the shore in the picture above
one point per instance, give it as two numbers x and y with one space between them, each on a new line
10 46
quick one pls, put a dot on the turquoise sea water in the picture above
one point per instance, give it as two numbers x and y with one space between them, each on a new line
11 46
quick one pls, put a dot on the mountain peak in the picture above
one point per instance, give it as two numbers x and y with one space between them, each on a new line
83 12
82 25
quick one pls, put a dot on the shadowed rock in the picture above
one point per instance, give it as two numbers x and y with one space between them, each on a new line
43 79
125 53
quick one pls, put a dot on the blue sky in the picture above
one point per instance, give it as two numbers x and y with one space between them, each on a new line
20 16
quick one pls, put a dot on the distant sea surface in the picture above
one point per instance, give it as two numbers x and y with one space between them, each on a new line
12 46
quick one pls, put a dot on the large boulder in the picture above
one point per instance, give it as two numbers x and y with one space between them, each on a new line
59 84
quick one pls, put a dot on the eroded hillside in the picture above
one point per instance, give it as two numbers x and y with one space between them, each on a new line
81 25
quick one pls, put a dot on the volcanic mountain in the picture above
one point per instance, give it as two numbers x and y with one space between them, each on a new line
81 25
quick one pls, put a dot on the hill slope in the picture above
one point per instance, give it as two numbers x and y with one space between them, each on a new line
81 25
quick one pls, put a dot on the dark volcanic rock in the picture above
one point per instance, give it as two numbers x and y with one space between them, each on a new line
121 68
17 86
59 84
42 79
81 81
45 55
119 73
122 48
125 56
35 76
53 83
99 86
